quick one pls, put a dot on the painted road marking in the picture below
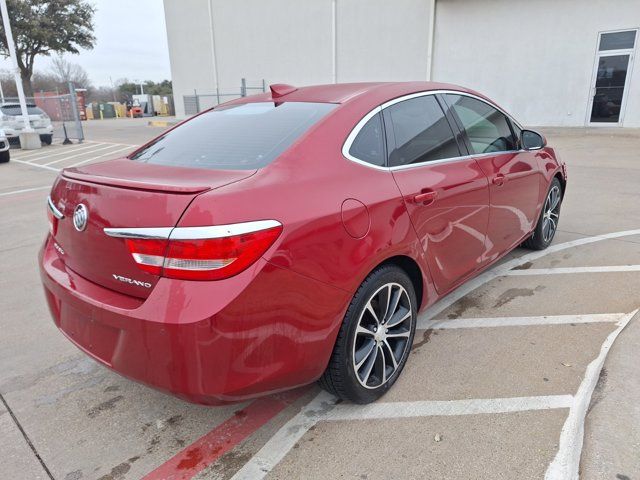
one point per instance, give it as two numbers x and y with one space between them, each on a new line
47 154
492 322
285 438
571 270
501 269
566 464
99 156
80 154
22 162
324 408
25 190
211 446
430 408
288 435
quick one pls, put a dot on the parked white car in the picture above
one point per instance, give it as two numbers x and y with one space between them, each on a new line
12 124
4 148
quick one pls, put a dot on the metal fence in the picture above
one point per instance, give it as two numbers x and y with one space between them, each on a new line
65 113
202 101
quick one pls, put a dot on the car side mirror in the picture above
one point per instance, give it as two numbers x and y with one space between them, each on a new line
531 140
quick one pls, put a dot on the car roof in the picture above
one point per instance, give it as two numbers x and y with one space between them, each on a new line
344 92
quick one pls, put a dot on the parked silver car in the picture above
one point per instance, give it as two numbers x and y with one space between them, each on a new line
12 124
4 148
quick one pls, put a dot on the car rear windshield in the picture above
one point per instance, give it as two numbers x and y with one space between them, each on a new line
236 137
15 110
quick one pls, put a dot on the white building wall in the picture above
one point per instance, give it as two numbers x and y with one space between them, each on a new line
382 40
301 42
535 58
190 48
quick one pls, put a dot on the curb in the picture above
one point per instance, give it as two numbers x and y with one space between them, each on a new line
162 123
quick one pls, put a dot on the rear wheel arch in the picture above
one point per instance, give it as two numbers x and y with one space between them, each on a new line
412 269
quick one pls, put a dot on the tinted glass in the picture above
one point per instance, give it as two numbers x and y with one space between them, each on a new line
487 129
15 110
617 40
421 132
368 145
239 137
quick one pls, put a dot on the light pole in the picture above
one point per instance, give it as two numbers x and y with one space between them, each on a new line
14 64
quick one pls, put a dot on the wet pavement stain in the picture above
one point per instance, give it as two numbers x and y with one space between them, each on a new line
524 266
426 336
104 406
194 457
514 293
462 305
227 464
119 471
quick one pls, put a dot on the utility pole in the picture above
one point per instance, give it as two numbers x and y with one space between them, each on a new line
14 64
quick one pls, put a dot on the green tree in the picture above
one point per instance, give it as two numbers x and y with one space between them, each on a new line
42 27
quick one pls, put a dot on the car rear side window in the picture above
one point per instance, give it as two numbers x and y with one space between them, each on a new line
15 110
368 145
236 137
420 132
486 127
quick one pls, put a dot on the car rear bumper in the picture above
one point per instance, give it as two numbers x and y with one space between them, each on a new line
265 330
15 132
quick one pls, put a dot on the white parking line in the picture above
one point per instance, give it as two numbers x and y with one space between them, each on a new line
566 464
491 322
286 437
375 411
80 154
505 267
53 169
24 190
565 270
323 408
99 156
47 154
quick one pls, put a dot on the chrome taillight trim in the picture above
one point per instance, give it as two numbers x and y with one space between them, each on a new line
221 231
159 233
56 213
193 233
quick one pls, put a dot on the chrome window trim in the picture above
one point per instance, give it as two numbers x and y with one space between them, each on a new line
192 233
356 130
56 213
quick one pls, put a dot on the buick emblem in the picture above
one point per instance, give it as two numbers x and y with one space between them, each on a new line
80 217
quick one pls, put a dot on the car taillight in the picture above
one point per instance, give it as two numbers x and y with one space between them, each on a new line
202 258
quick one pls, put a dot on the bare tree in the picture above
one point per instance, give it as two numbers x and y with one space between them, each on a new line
65 72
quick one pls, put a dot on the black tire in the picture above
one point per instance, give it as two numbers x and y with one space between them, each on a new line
541 238
46 139
5 156
342 376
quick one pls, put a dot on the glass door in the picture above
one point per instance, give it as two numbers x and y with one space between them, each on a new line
614 57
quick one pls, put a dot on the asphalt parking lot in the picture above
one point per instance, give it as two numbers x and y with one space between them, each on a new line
502 373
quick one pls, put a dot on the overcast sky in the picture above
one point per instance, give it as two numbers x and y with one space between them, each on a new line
131 42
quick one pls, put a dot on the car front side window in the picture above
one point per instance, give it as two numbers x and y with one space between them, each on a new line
487 128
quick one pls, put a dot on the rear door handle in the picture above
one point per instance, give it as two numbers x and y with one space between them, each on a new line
426 198
499 179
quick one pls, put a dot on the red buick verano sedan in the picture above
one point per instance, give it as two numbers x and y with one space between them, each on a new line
292 236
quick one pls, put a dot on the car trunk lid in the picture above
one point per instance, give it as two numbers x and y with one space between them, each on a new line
123 194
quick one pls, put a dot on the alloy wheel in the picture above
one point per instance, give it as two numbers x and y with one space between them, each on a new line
382 335
551 214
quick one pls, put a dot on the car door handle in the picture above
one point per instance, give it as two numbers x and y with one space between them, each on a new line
426 198
499 179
